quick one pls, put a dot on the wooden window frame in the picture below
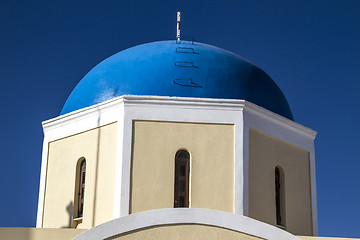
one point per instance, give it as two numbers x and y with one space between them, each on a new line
280 197
182 175
81 191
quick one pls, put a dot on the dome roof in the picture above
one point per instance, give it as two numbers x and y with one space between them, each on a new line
182 69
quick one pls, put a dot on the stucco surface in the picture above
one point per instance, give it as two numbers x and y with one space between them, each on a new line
38 233
185 231
98 147
211 148
265 154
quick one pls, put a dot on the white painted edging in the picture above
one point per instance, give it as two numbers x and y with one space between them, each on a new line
172 216
128 108
288 131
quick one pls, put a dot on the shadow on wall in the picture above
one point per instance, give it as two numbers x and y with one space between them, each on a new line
97 165
69 209
70 206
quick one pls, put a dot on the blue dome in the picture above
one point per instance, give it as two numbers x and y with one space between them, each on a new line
182 69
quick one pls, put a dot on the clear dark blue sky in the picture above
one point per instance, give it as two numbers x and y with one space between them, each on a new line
309 47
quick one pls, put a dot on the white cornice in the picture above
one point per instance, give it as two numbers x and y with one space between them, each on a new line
264 113
83 113
185 102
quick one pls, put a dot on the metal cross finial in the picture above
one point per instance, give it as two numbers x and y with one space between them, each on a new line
178 27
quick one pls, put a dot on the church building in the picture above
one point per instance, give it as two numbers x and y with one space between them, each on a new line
176 140
178 136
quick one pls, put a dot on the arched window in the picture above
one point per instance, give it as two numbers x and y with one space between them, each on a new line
81 188
181 185
280 196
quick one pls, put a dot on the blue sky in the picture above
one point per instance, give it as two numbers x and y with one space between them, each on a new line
311 48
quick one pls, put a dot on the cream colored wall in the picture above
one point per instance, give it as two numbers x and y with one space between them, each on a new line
173 232
211 147
38 233
265 154
185 231
98 146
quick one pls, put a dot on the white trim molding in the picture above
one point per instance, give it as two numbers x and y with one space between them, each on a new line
128 108
286 130
176 216
175 109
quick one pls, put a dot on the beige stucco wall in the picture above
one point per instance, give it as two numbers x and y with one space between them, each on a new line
38 233
265 153
98 146
185 231
173 232
211 147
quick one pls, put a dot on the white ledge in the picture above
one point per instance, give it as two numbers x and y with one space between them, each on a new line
251 107
187 102
172 216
